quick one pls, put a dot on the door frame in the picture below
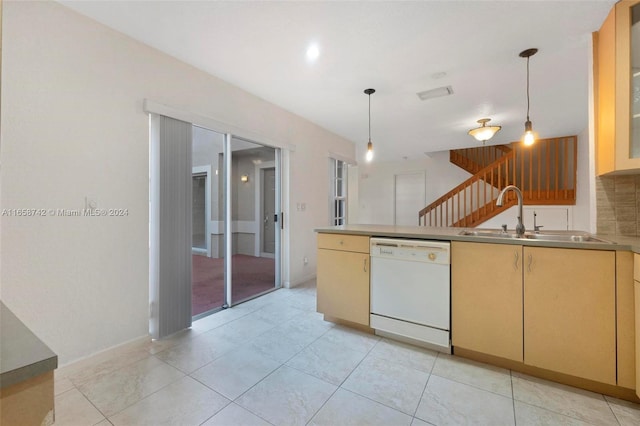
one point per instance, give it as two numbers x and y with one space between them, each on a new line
395 190
206 170
259 207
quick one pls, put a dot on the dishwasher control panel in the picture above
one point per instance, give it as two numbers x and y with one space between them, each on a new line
412 250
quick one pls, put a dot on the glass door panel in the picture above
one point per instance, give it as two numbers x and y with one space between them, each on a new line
254 202
207 277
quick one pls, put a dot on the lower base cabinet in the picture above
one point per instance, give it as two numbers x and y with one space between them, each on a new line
486 298
343 277
550 308
570 312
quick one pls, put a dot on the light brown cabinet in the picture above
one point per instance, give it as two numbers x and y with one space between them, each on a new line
546 307
486 298
570 312
616 83
625 320
636 278
343 277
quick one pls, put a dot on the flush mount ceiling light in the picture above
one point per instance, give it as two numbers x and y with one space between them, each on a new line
369 156
484 132
435 93
529 138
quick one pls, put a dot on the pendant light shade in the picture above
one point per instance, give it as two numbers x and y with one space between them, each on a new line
484 132
528 138
369 155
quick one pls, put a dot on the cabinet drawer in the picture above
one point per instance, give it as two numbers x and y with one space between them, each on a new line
357 243
636 267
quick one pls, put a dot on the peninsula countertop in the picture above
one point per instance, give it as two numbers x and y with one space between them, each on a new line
22 354
453 234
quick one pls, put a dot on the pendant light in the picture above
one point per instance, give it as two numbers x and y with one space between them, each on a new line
484 132
369 155
529 137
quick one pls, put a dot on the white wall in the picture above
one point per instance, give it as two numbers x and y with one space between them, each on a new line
376 185
73 126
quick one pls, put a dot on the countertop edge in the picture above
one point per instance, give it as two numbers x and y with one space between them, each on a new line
452 234
27 372
23 355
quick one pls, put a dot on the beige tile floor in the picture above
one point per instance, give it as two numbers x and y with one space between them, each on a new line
274 361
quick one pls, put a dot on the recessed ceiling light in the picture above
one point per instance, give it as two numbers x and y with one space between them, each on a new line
313 52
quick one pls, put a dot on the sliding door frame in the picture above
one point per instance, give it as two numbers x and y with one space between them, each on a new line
282 154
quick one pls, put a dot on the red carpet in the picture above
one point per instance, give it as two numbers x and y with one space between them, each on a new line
250 275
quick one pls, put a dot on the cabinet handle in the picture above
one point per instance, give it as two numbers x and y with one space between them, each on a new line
364 265
530 261
515 261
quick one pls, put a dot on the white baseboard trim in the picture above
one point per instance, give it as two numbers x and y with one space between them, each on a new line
302 280
134 341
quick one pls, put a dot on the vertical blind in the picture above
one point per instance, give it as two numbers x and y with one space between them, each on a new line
171 298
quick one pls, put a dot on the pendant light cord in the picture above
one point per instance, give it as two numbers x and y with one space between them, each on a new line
369 117
527 89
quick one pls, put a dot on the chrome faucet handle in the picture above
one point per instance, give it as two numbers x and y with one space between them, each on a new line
504 227
536 228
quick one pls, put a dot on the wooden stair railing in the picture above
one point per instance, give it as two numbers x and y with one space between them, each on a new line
475 159
545 172
473 201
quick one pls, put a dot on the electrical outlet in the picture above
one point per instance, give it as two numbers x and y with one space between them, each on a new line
305 260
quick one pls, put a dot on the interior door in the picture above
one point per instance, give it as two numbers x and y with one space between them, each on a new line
409 198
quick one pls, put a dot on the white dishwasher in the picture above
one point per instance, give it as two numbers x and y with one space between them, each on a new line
411 290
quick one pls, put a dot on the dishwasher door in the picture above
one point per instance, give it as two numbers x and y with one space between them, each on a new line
410 283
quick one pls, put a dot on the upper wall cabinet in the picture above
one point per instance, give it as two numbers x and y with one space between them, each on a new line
617 90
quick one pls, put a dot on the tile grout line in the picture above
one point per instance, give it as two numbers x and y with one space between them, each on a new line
473 386
341 383
425 386
152 393
282 364
557 412
611 408
214 414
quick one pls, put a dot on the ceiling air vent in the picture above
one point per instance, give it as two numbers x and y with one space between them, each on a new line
435 93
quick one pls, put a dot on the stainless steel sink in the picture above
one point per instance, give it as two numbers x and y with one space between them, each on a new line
576 238
560 236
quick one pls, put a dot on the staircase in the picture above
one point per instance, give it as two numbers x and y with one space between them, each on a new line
544 172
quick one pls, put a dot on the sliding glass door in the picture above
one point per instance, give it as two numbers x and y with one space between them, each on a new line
254 219
214 222
236 220
208 231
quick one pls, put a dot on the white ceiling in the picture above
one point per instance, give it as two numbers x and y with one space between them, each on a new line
395 47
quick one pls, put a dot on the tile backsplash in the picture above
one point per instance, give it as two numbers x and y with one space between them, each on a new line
618 205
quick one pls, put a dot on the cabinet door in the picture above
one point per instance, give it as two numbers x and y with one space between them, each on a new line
616 104
569 312
486 298
625 321
637 315
343 285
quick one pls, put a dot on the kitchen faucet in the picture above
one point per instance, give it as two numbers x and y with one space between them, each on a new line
536 228
520 226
